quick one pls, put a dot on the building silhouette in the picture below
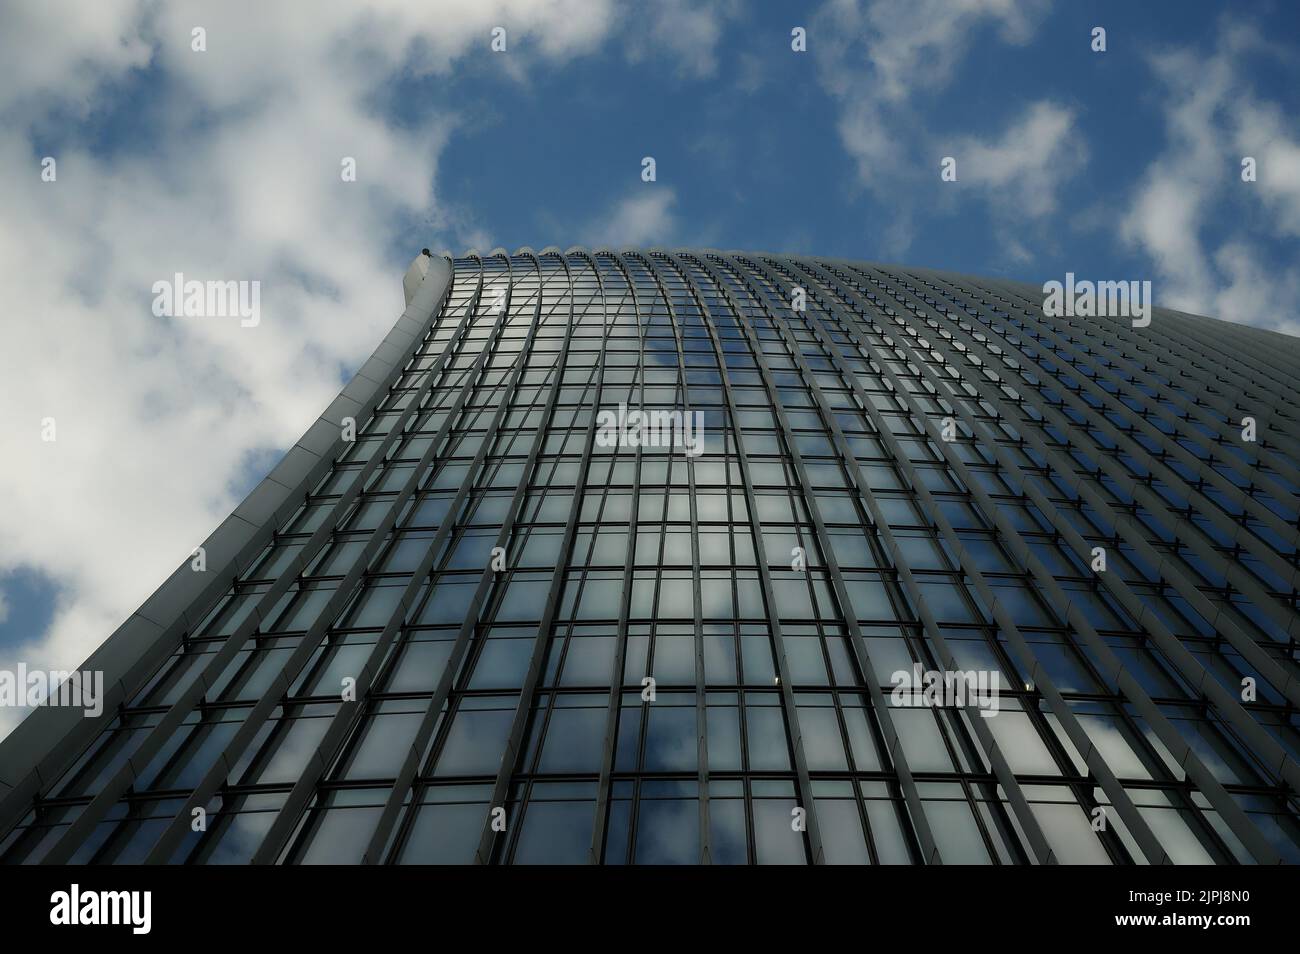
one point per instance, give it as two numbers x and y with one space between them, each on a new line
494 608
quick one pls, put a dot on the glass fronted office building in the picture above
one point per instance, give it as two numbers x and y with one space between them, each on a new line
478 630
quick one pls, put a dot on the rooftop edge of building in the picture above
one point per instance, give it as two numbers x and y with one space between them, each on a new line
1021 286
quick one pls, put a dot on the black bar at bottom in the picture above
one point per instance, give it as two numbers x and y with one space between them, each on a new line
947 905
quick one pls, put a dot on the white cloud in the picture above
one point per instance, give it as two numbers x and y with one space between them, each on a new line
876 56
1252 292
881 59
1263 132
239 179
687 32
644 217
80 46
1024 167
1187 212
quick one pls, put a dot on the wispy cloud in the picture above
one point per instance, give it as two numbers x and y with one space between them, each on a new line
686 32
1213 119
877 56
238 177
1023 167
644 217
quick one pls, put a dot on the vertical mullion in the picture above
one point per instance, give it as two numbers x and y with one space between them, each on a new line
351 715
1270 668
804 781
1139 363
523 709
423 737
191 699
1186 348
1171 447
1240 535
595 853
1107 779
1190 341
697 603
1248 360
348 588
1008 781
697 612
1227 807
897 757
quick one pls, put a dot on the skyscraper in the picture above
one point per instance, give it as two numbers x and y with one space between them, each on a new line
691 556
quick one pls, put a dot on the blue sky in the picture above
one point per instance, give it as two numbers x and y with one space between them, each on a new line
223 163
752 155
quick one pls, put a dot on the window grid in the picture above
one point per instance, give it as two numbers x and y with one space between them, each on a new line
521 688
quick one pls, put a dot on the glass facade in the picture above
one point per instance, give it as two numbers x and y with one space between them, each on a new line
484 634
